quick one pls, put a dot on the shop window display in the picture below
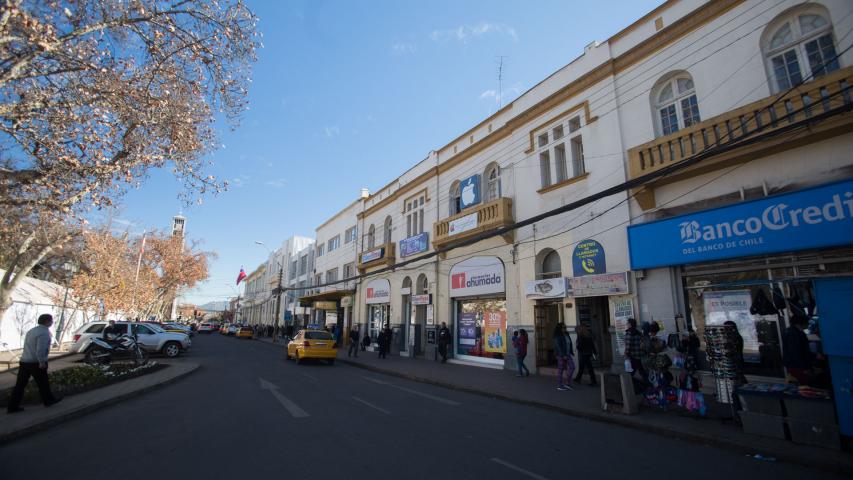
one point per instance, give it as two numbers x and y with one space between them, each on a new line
760 308
481 328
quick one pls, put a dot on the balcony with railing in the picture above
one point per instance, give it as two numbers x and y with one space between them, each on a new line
381 255
744 132
474 221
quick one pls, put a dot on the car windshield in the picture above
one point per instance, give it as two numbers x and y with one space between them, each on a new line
318 335
156 328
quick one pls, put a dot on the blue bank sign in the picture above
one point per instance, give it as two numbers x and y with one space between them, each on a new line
416 244
812 218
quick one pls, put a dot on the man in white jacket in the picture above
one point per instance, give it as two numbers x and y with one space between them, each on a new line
34 363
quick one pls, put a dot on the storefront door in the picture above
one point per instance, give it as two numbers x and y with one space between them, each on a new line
420 329
378 318
594 312
546 317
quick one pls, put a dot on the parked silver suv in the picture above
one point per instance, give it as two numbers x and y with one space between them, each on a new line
150 337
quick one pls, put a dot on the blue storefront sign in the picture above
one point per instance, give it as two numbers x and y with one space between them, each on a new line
811 218
469 191
415 244
588 258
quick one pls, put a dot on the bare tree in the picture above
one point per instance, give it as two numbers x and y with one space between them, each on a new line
95 93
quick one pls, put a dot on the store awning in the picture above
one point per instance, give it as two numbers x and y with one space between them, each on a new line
308 300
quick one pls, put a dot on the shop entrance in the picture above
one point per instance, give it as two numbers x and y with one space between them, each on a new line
546 316
594 312
379 316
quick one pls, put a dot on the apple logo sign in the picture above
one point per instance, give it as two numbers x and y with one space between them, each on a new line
468 195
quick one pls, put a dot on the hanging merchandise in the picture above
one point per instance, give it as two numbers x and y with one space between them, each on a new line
761 305
720 341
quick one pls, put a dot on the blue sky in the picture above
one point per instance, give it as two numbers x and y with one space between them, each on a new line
351 94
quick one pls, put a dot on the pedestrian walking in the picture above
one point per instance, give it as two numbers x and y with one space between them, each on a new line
33 363
380 339
586 354
519 342
634 350
353 342
564 352
444 339
389 337
365 342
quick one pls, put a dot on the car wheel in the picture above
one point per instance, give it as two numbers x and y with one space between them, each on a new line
299 360
172 349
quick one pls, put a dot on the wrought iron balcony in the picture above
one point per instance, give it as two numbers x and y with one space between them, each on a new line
473 221
757 118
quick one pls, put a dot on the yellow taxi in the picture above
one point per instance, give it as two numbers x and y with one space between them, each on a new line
312 344
244 332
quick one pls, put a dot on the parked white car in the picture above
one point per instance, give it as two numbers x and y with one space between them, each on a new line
206 328
150 337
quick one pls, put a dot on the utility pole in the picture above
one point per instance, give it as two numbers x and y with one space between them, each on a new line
277 302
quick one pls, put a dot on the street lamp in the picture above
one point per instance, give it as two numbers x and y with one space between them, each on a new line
70 269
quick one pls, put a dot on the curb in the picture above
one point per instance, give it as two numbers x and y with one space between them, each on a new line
621 420
82 411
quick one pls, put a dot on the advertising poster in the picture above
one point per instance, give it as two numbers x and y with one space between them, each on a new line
623 309
734 305
430 317
416 244
468 328
495 330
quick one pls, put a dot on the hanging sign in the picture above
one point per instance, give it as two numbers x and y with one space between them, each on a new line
415 244
600 285
477 276
550 288
469 190
805 219
346 301
378 291
325 305
462 224
425 299
372 255
588 258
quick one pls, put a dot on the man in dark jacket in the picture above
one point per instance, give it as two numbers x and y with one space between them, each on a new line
353 341
586 352
796 356
444 338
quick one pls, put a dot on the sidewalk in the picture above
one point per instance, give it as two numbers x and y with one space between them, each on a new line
36 418
584 401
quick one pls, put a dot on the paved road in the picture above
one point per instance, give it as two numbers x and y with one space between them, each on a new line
247 413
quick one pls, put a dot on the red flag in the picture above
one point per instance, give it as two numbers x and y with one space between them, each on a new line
241 276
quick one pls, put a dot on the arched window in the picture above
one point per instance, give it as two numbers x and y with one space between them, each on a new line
492 182
455 198
423 284
674 102
386 237
407 283
371 237
551 265
799 46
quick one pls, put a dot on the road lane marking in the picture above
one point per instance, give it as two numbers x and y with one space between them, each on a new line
309 376
414 392
518 469
386 412
285 402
